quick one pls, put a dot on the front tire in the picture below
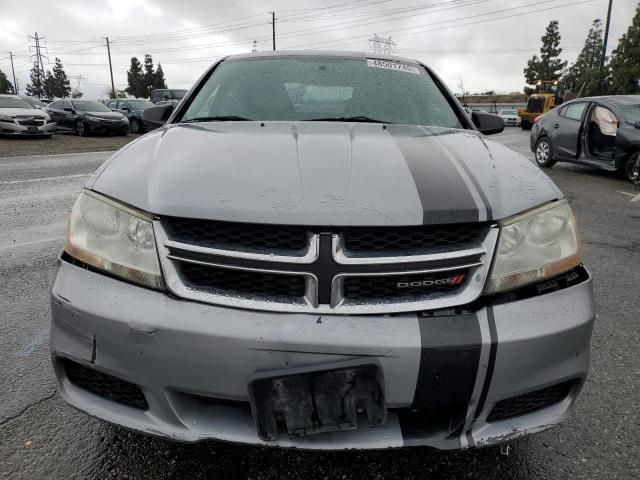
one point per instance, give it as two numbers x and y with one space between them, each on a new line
544 153
80 129
632 169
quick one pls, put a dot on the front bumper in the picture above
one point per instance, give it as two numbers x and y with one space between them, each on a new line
14 128
193 362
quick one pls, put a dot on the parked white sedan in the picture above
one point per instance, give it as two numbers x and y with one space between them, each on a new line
19 117
510 117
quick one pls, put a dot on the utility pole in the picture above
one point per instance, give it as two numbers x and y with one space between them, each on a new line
13 71
255 46
606 37
273 29
113 88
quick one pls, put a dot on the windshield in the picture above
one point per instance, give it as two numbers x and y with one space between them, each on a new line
178 94
140 104
631 113
9 102
88 106
35 101
313 88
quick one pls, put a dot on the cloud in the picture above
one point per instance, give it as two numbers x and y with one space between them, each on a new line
186 37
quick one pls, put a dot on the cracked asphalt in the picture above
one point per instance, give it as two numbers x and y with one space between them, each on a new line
42 437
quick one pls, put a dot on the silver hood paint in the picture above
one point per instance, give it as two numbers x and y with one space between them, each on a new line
322 174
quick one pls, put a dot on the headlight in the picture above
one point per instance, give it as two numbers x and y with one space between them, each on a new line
112 237
534 246
93 119
6 118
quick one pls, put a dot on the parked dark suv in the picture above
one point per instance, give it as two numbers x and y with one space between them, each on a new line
87 116
132 109
167 94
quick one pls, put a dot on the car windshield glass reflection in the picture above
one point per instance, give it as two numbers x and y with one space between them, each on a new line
320 88
14 103
89 106
631 113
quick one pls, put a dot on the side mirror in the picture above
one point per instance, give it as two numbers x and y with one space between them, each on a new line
487 123
125 109
67 109
158 114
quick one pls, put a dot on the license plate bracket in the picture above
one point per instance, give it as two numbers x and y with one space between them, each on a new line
318 401
32 129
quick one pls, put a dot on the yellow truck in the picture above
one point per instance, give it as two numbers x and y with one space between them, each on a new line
549 93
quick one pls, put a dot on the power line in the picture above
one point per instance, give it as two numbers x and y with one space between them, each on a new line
342 40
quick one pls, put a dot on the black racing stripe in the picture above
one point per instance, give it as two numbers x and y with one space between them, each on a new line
492 361
444 195
474 180
449 362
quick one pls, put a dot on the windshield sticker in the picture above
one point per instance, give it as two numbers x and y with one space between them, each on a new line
400 67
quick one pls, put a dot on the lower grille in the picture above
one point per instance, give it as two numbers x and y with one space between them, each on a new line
31 123
363 287
530 402
232 281
104 385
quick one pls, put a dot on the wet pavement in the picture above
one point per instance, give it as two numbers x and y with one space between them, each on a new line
42 437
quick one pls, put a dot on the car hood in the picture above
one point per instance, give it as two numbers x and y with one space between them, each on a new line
22 112
106 115
322 174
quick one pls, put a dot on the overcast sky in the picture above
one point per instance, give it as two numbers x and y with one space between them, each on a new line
486 43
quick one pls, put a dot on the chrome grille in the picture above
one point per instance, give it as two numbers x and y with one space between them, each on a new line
312 269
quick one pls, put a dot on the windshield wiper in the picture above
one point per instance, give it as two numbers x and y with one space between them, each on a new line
359 118
218 118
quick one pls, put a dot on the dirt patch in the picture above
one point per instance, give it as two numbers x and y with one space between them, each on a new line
62 143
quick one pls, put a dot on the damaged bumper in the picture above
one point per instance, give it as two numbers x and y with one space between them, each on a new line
179 369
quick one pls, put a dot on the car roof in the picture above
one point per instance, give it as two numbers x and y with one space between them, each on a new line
612 99
321 53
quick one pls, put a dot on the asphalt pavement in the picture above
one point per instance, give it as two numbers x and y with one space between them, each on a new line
42 437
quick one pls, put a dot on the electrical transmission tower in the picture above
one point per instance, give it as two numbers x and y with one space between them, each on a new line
381 45
37 48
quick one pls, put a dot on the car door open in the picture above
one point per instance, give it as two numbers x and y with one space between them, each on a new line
568 130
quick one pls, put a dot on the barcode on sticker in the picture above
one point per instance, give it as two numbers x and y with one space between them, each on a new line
401 67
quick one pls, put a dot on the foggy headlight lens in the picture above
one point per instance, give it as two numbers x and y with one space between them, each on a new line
112 237
534 246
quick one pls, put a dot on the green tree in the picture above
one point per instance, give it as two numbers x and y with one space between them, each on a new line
149 74
62 85
36 86
158 79
585 75
75 93
5 84
135 80
547 66
624 67
49 85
